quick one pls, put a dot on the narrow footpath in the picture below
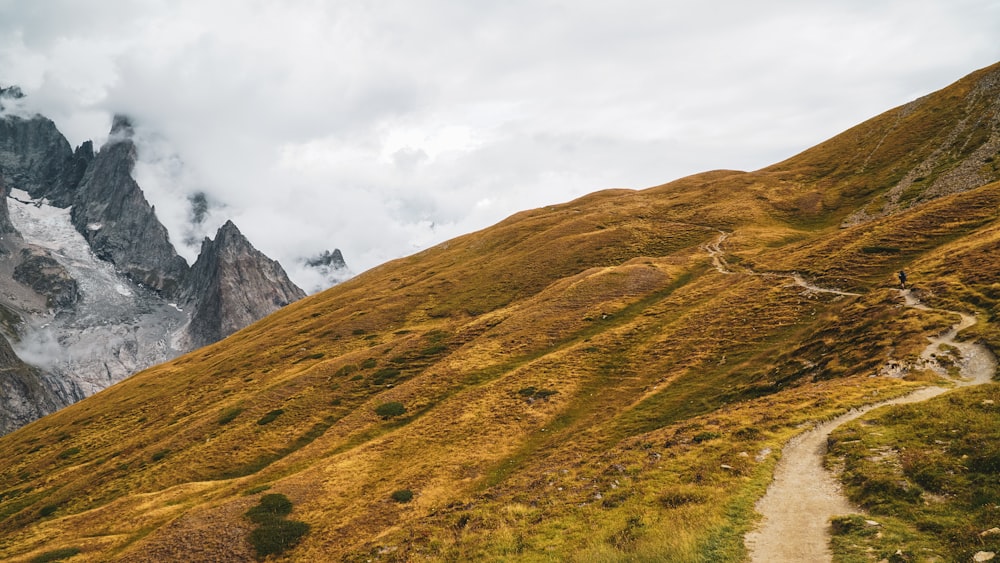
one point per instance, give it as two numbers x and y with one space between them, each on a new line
804 496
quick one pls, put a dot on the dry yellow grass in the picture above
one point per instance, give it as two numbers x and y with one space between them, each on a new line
579 382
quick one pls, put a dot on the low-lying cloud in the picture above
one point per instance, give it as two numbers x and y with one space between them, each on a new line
382 128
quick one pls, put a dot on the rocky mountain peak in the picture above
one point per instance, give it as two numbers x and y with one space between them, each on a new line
121 226
231 285
36 158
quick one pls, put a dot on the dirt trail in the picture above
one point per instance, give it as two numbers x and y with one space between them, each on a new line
718 256
804 496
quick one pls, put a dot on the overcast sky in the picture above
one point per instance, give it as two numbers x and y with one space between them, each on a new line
381 127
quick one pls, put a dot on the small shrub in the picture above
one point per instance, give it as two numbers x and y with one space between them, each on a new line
69 453
389 410
385 374
705 436
274 534
358 331
346 370
228 415
277 536
545 393
747 433
369 363
160 455
55 555
316 356
269 417
270 507
48 510
402 496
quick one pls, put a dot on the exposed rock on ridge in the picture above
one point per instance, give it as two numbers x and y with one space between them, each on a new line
81 321
6 227
24 393
112 213
231 285
36 158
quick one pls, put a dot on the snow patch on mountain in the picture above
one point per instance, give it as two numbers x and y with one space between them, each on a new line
117 328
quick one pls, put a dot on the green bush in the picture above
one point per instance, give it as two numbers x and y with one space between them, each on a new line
369 363
389 410
274 534
69 453
277 536
269 417
48 510
55 555
402 496
160 455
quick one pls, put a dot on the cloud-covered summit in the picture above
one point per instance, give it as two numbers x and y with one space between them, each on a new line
382 128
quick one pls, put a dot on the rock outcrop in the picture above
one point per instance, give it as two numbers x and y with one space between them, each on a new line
121 227
6 227
46 276
89 294
25 392
35 157
231 285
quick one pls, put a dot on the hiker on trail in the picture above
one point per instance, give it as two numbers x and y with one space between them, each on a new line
902 279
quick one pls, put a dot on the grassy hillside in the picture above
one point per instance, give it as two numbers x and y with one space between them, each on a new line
576 382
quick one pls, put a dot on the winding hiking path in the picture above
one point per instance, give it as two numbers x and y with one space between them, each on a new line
804 496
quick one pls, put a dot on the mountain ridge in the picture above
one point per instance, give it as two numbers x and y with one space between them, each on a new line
578 381
83 333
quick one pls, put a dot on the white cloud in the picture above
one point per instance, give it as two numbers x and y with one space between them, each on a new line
383 127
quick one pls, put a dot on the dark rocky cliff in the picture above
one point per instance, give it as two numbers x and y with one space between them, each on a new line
112 213
231 285
35 157
6 227
25 392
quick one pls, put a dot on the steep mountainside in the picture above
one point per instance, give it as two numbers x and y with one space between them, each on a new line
89 294
120 225
231 285
36 157
602 380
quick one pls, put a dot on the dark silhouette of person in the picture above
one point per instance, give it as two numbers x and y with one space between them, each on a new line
902 279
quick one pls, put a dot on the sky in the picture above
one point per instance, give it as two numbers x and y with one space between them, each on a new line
383 127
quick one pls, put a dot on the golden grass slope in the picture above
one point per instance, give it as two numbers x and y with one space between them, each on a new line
579 381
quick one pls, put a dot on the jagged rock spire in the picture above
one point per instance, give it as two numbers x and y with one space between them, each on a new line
232 284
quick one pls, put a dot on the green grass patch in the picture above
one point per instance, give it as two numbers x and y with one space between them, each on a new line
402 496
390 410
270 417
55 555
229 415
316 356
928 472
